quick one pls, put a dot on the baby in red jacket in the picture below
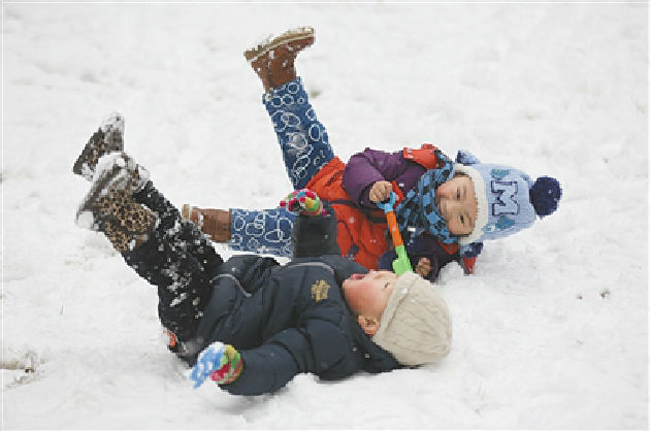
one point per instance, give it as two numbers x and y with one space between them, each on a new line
446 209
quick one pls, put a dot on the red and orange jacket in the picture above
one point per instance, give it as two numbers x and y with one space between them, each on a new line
362 229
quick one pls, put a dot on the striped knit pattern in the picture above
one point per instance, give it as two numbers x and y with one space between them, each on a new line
418 209
230 367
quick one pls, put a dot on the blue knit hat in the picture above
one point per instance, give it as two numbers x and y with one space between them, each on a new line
508 201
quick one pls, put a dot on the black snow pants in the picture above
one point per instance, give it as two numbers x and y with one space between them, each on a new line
180 261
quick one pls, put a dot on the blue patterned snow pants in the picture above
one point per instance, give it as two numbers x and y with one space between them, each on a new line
305 150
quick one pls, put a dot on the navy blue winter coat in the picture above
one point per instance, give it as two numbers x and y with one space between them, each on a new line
288 319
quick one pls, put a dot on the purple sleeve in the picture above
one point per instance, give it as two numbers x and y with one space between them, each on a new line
368 167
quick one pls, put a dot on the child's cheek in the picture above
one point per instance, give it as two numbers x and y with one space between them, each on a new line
443 190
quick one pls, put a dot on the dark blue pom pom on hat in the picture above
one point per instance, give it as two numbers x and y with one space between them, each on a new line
545 195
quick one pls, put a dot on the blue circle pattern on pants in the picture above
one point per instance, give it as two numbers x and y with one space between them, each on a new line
302 138
305 150
262 231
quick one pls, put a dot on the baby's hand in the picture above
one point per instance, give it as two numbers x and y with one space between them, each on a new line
380 191
423 267
304 201
221 362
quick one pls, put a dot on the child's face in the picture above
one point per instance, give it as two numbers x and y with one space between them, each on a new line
456 200
368 294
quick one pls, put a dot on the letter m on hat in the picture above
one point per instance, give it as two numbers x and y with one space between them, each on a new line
504 193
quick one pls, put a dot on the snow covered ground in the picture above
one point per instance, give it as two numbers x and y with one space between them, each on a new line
551 331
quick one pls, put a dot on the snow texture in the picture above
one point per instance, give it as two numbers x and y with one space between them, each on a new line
113 121
551 331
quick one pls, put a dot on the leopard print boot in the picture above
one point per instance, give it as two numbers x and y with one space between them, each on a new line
108 138
109 206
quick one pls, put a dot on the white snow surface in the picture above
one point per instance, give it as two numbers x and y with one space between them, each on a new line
551 331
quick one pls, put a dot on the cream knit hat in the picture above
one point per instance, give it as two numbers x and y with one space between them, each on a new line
416 325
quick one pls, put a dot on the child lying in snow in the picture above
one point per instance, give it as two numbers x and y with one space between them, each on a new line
446 210
250 324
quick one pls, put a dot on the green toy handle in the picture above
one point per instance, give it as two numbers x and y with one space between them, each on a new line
402 264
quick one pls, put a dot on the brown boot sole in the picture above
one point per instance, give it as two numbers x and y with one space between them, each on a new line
186 210
300 33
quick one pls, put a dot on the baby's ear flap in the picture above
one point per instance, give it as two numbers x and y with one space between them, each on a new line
370 325
466 158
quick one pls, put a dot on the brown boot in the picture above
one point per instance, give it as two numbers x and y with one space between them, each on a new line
109 207
273 59
108 138
212 222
